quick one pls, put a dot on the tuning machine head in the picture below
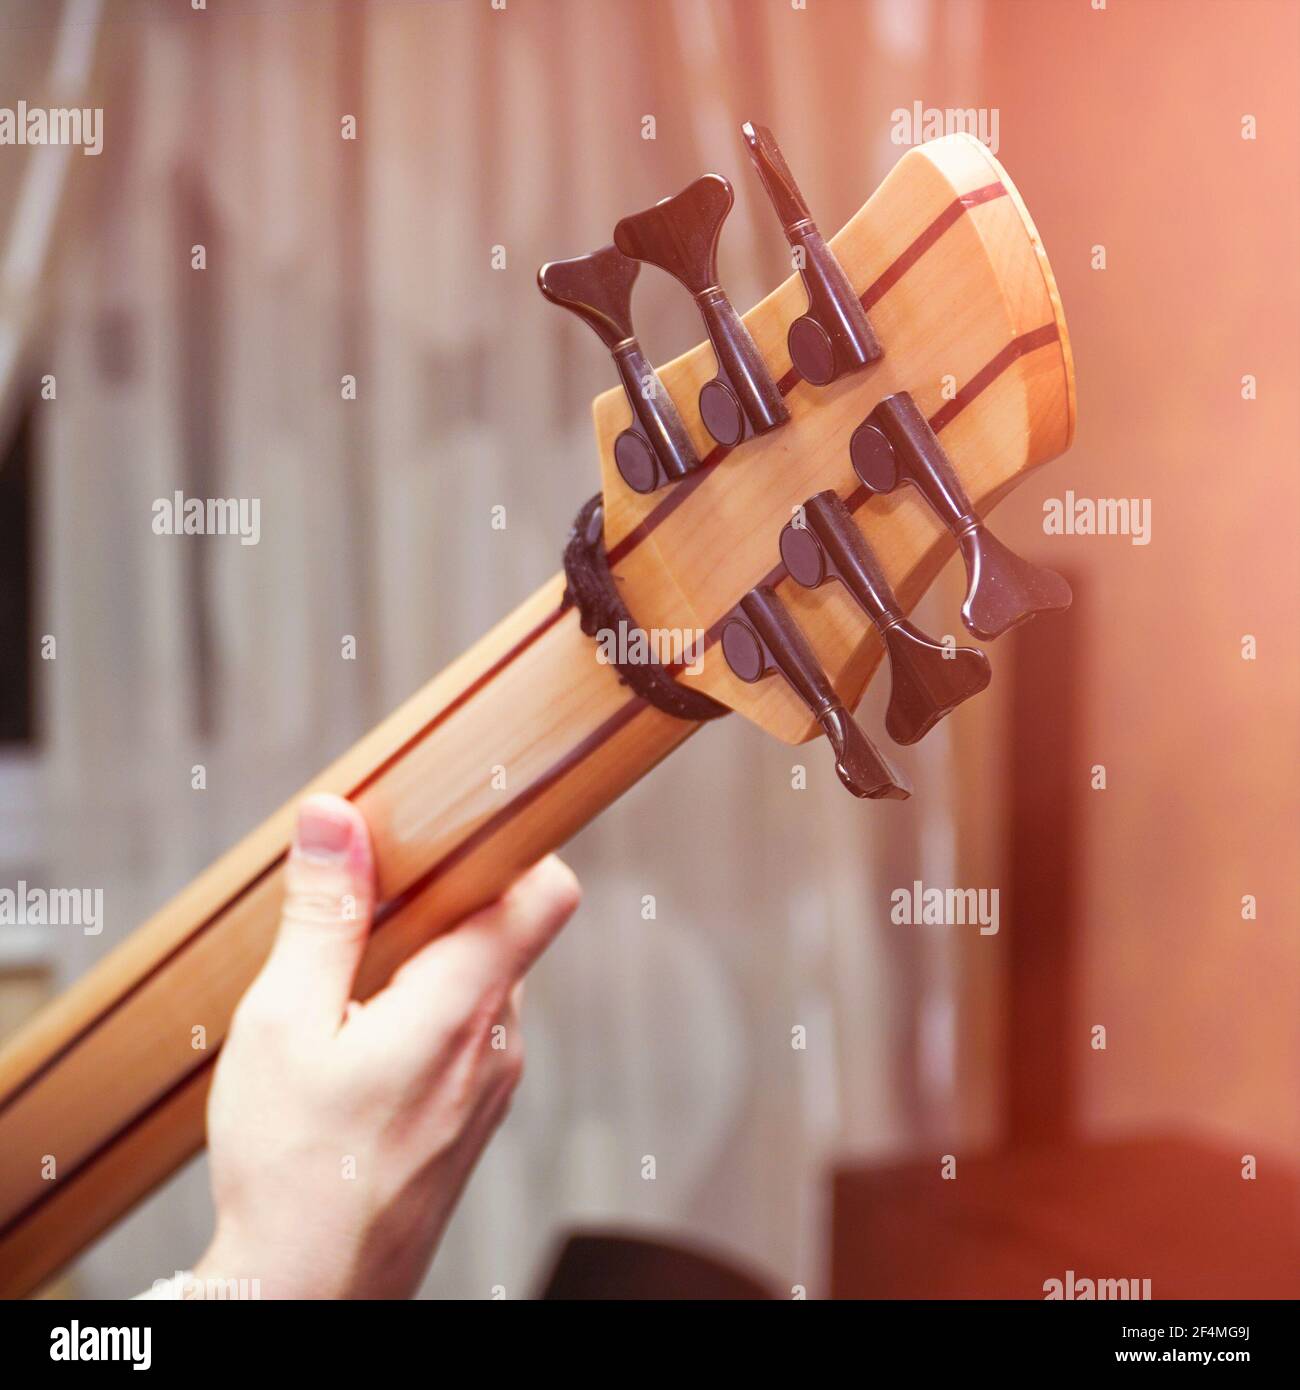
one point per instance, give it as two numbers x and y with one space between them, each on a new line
929 679
895 444
680 235
760 639
655 449
834 337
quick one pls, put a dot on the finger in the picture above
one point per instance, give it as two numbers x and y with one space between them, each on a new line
508 1044
475 964
325 920
502 1040
496 946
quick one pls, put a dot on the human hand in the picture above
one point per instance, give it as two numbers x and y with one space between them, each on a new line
341 1133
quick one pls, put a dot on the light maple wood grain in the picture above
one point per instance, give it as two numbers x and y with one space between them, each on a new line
107 1081
981 285
435 797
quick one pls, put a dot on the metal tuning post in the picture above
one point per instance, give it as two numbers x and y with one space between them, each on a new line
894 445
761 638
834 337
929 680
655 449
680 235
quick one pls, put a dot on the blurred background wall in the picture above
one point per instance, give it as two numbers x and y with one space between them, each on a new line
521 128
1131 122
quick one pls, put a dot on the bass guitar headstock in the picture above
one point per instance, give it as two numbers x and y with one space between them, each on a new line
785 491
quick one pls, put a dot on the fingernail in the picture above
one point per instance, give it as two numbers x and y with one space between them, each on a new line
324 831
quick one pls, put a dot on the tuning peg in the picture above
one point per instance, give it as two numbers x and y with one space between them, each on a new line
834 337
762 638
895 444
655 449
928 679
680 235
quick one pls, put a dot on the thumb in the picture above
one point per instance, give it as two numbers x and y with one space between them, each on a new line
329 895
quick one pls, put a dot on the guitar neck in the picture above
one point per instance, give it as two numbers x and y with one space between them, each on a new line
493 764
529 736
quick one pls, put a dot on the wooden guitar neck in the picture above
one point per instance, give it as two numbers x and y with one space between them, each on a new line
530 734
490 766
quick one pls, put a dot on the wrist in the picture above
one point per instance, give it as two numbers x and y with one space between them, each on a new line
235 1266
225 1272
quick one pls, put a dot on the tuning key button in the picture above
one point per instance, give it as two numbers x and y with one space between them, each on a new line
928 680
655 449
834 337
761 639
680 235
894 445
744 651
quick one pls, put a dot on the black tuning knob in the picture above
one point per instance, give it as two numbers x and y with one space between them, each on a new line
680 235
655 448
928 680
894 445
762 638
834 337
